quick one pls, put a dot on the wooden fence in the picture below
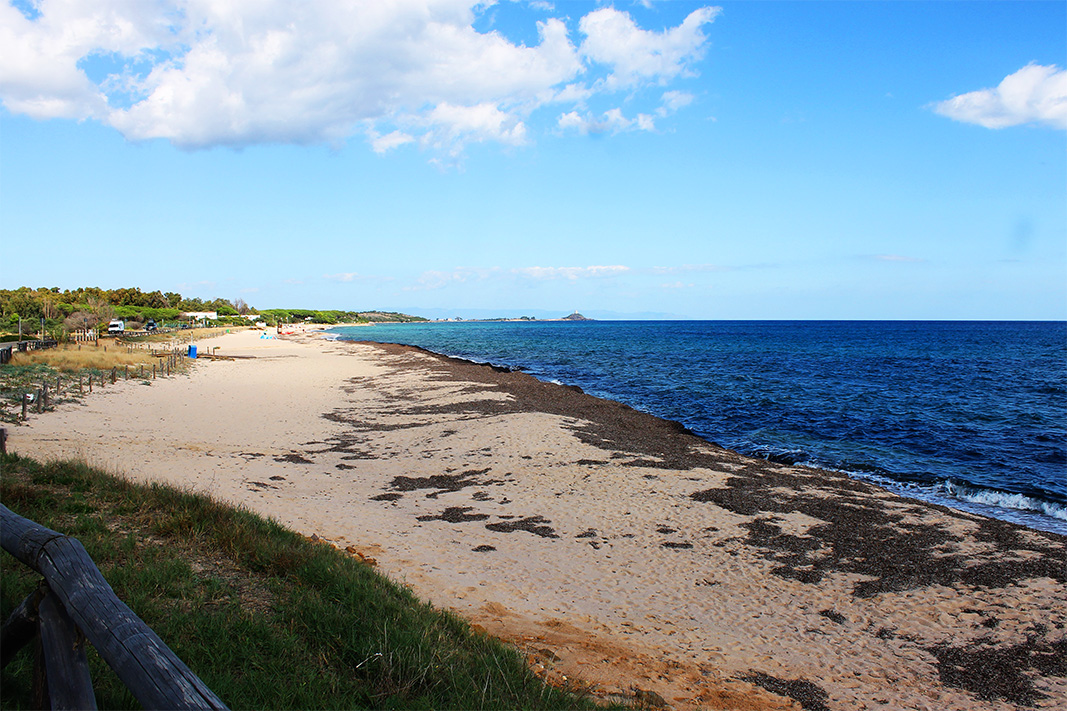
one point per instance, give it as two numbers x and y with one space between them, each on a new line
22 346
73 602
44 395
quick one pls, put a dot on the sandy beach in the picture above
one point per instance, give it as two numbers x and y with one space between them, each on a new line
615 549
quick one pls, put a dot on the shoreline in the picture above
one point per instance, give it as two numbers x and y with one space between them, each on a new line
606 543
1033 508
1028 518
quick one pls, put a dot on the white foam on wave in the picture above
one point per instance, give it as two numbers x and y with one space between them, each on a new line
1016 508
1005 500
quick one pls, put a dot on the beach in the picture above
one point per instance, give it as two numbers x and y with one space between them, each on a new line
618 551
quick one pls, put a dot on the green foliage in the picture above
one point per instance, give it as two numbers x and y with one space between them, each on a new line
92 305
142 313
267 618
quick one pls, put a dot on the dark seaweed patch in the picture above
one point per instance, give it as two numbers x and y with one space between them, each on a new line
676 544
454 514
293 458
810 696
484 548
537 525
1001 672
865 535
833 616
443 483
386 497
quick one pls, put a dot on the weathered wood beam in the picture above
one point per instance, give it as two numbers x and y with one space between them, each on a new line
66 667
20 627
151 671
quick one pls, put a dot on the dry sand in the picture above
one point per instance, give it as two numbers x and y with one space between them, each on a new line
613 548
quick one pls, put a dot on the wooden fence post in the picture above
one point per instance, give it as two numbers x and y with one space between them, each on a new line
57 386
67 668
25 401
155 676
40 399
20 628
3 440
44 396
127 369
114 372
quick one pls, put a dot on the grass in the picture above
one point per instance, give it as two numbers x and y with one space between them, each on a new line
29 370
267 618
74 357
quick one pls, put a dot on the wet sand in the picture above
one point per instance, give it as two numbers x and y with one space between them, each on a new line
618 551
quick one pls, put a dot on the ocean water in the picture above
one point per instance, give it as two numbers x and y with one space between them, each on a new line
971 415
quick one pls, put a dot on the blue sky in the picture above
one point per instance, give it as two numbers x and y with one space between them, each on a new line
763 160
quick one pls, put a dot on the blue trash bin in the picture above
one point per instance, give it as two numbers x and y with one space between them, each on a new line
192 352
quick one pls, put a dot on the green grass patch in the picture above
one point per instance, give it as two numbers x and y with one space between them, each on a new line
267 618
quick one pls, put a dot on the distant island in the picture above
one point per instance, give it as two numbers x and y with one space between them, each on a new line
576 317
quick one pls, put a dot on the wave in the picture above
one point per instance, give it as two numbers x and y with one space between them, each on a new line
947 492
1002 499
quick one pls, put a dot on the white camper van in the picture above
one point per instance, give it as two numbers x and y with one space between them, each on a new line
116 327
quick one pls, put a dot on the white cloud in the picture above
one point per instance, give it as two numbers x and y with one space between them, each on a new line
1034 94
202 73
637 55
570 273
344 277
673 101
389 141
434 279
612 121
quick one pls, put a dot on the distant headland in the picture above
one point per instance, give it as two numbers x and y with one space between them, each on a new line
572 317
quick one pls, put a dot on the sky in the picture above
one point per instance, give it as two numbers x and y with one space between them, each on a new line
646 159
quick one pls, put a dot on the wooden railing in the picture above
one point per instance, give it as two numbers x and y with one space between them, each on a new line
74 603
22 346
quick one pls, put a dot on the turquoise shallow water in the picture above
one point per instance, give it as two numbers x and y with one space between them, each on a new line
968 414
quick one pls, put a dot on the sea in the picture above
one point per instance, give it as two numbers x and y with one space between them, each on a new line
971 415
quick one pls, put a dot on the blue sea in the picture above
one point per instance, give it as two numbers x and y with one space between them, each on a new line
971 415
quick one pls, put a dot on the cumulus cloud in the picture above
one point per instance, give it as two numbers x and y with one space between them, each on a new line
673 101
202 73
636 55
1035 94
611 121
382 144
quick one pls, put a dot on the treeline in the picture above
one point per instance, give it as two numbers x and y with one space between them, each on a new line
51 303
91 308
295 315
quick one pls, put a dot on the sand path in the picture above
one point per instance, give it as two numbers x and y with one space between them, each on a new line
610 547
